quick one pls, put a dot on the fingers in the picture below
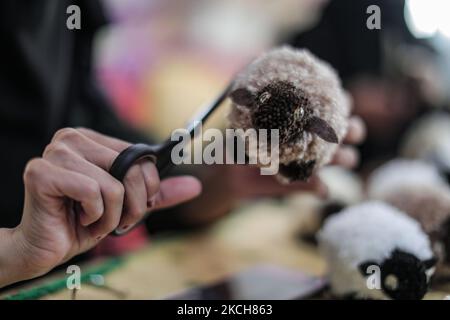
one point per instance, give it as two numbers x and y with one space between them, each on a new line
136 197
112 143
176 190
112 191
346 157
151 177
59 182
356 131
141 182
90 150
89 153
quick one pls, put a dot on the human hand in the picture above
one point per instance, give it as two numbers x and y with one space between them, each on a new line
72 202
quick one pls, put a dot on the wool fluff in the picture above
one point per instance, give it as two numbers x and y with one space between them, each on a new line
371 231
293 91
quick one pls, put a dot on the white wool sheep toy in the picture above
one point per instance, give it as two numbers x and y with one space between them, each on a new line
291 90
418 189
376 236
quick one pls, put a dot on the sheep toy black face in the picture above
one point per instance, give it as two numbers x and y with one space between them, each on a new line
403 276
281 106
375 251
292 91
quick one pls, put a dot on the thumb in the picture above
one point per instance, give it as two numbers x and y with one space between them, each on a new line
176 190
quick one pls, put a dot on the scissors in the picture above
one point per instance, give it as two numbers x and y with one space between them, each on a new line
160 154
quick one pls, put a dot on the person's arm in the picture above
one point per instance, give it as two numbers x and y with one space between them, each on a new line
11 263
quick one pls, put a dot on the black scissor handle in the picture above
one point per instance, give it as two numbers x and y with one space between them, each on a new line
158 154
128 157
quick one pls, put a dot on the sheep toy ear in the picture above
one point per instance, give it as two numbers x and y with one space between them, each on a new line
363 267
430 263
322 129
242 97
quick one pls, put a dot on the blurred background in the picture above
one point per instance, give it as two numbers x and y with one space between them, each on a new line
159 60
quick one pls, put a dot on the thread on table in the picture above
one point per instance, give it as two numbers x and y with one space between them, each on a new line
60 284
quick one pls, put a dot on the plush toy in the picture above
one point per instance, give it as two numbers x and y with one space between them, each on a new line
418 189
374 251
292 91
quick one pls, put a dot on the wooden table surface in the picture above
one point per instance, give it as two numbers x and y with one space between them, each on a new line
261 233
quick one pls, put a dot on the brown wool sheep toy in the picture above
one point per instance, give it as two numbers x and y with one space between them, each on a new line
418 189
301 96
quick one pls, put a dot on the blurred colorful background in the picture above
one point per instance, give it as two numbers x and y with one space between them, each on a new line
159 61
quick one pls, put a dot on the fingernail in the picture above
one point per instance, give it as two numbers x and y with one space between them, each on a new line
123 229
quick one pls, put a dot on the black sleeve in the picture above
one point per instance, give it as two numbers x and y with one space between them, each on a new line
104 118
